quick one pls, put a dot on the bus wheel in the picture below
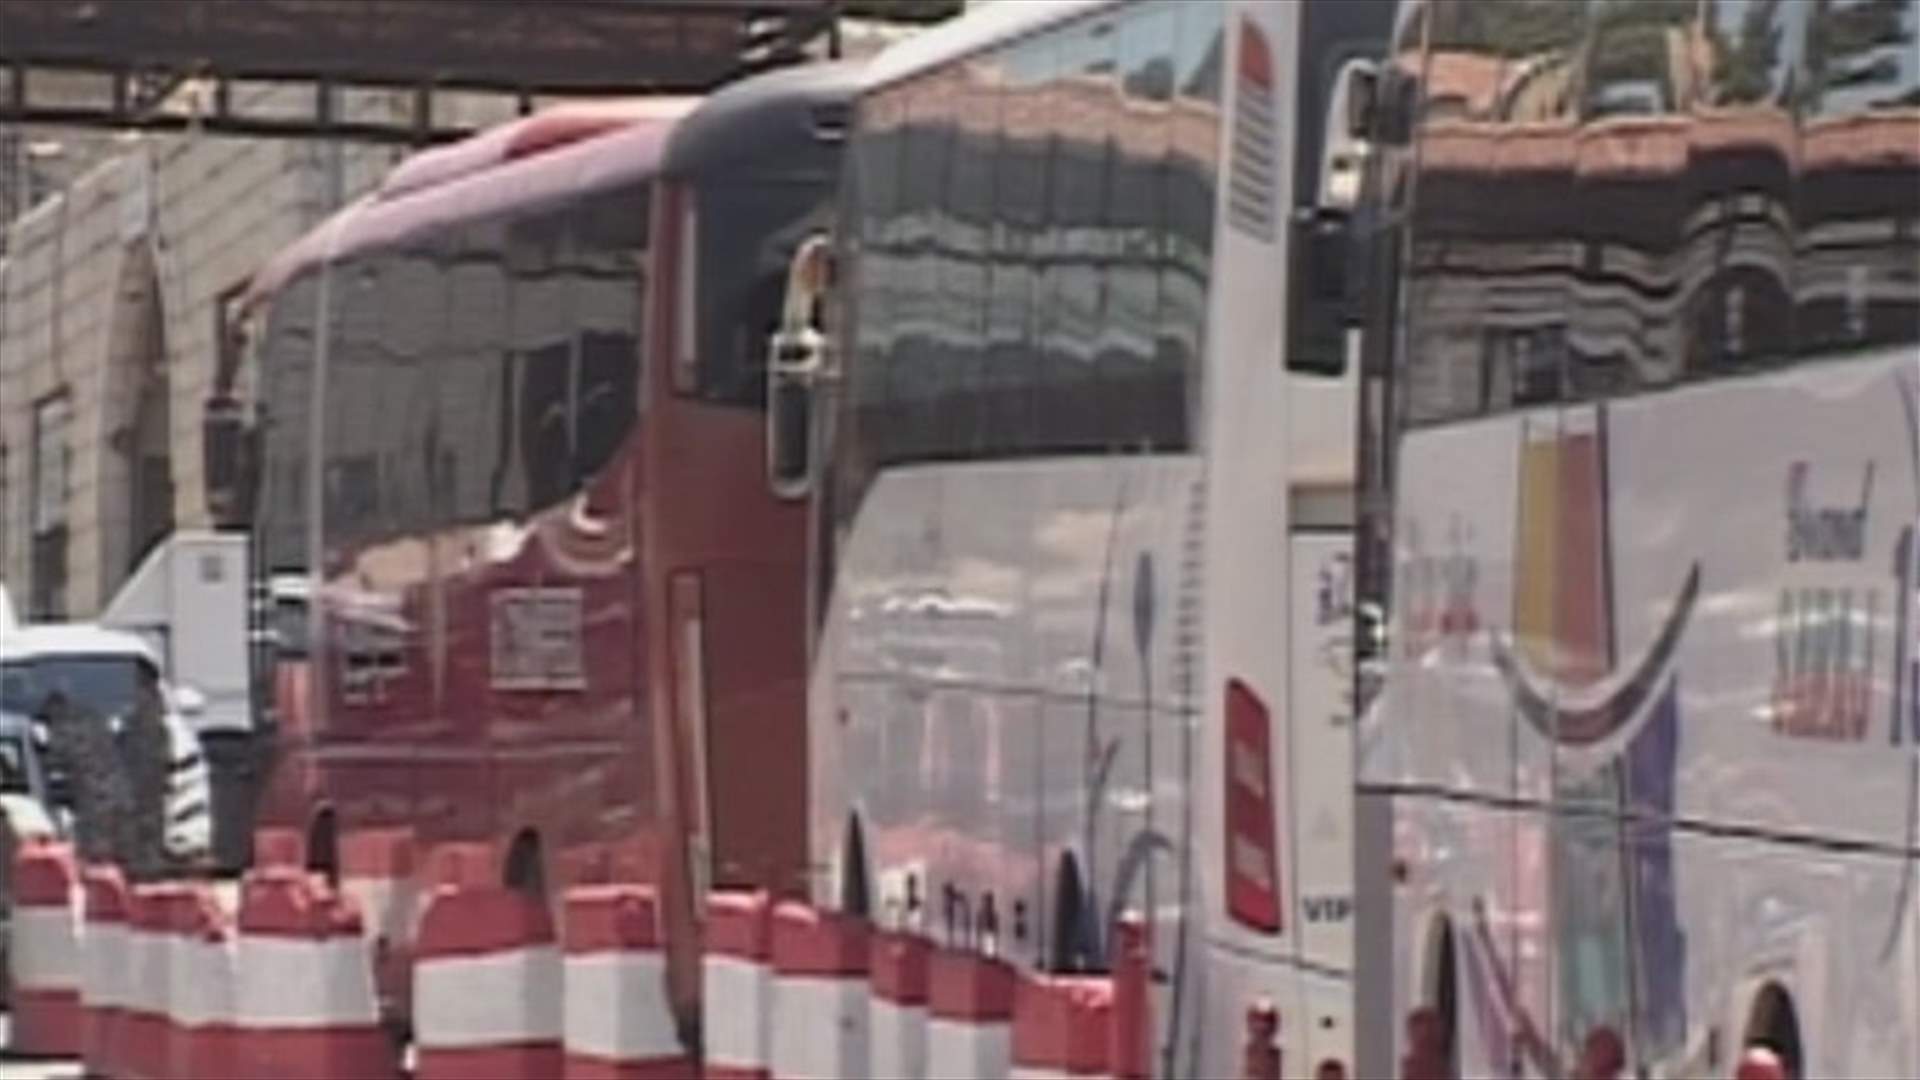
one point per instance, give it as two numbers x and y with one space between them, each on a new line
856 895
1773 1027
525 870
323 847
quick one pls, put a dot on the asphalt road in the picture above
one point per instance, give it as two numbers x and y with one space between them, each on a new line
32 1070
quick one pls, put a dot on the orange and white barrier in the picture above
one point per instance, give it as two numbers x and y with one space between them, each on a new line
304 1004
819 994
1061 1027
377 869
970 1006
487 988
200 993
1131 1052
105 981
618 1022
43 951
737 986
144 1029
897 1022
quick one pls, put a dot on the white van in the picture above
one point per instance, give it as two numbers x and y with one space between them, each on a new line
100 668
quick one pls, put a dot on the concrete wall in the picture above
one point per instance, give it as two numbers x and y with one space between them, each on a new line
187 217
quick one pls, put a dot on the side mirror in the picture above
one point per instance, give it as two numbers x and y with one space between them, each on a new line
226 442
1323 295
189 701
796 362
1363 100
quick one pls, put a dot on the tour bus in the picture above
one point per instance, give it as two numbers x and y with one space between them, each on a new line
1075 415
1646 758
507 412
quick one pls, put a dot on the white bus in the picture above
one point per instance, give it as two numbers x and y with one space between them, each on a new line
1080 453
1649 741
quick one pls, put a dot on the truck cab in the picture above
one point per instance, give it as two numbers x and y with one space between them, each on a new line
102 669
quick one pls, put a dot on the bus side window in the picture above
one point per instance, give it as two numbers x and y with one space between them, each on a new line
1631 166
1857 210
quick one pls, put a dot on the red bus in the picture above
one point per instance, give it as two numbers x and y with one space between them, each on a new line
505 451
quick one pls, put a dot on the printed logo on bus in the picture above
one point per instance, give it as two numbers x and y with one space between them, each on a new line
1252 185
1612 890
1253 865
1557 658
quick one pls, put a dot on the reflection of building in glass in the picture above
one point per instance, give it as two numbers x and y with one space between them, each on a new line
117 256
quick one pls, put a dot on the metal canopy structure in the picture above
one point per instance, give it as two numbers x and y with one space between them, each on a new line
137 53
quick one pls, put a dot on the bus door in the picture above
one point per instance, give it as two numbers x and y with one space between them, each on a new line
1320 729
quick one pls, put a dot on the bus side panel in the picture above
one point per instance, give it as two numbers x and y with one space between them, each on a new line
1320 727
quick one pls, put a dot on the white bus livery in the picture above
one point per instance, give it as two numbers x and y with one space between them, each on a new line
1082 440
1650 729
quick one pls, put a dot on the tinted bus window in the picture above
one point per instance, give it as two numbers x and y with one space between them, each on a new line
1494 224
748 231
285 365
1859 245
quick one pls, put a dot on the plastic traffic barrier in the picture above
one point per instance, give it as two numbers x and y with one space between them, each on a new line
487 988
43 951
897 1022
377 869
970 1009
737 986
1260 1057
1061 1027
200 995
105 977
278 847
1131 1054
618 1021
145 1033
304 1005
819 993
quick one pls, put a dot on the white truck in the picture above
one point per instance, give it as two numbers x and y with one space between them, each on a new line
188 601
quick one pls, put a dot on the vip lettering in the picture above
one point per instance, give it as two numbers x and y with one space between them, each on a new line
1328 909
1825 533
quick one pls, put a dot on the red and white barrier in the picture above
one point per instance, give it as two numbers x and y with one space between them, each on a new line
618 1022
737 986
487 988
1131 1051
1061 1027
144 1042
304 1005
377 869
200 995
278 847
819 994
105 979
897 1022
43 951
970 1025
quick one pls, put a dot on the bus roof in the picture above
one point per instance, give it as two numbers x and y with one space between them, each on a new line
978 30
767 116
527 163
